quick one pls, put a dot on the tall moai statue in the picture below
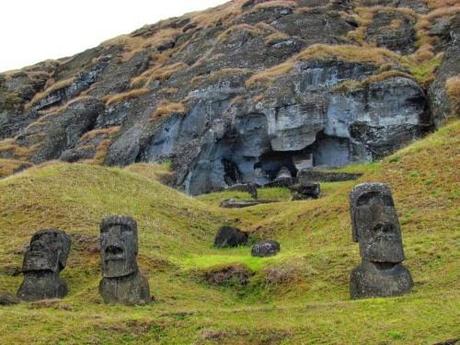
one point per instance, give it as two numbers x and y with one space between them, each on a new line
375 226
44 259
121 283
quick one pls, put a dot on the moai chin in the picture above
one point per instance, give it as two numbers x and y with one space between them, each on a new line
121 283
375 226
44 259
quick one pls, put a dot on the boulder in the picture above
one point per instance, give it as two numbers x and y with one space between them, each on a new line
265 248
7 299
233 203
305 191
229 236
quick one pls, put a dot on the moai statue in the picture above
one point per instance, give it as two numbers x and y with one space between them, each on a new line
44 259
121 280
375 226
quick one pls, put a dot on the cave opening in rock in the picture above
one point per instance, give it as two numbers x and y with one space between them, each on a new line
272 162
232 174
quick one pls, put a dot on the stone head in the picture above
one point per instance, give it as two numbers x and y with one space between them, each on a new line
48 251
119 246
375 224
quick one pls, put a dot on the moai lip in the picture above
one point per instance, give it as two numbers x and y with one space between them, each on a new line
121 280
375 226
44 259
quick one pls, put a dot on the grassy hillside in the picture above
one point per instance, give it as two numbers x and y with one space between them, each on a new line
298 297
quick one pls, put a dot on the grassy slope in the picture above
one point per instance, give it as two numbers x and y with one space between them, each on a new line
306 303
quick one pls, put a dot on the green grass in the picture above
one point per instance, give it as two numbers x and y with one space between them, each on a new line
298 297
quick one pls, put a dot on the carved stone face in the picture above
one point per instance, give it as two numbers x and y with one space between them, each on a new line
375 223
118 246
48 251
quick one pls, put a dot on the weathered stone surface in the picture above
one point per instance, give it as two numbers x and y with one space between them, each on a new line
130 290
321 175
371 279
7 299
250 188
375 223
44 259
303 191
375 226
122 282
265 248
233 203
229 236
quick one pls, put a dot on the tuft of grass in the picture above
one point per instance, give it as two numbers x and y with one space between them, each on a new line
350 53
62 84
125 96
167 108
11 166
160 73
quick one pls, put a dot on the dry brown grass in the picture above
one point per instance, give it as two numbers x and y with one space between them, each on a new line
54 87
251 29
350 53
275 3
11 166
132 45
434 4
219 75
167 108
444 11
125 96
220 14
9 148
453 91
160 73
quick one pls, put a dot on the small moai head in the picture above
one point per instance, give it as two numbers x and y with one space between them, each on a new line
119 246
375 224
48 251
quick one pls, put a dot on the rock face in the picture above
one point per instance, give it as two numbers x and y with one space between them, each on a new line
44 259
122 283
375 226
228 236
266 248
7 299
261 91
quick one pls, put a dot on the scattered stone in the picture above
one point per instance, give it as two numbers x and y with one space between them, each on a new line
265 248
8 299
228 236
306 191
44 259
229 276
375 226
319 175
121 283
250 188
233 203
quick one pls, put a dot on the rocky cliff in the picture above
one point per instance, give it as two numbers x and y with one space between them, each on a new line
238 92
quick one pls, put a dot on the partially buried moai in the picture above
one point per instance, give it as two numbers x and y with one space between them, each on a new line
44 259
121 280
375 226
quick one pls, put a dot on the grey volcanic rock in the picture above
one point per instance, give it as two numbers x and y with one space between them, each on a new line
233 203
393 30
440 103
44 259
183 92
121 280
306 190
250 188
265 248
321 175
228 236
375 226
7 299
